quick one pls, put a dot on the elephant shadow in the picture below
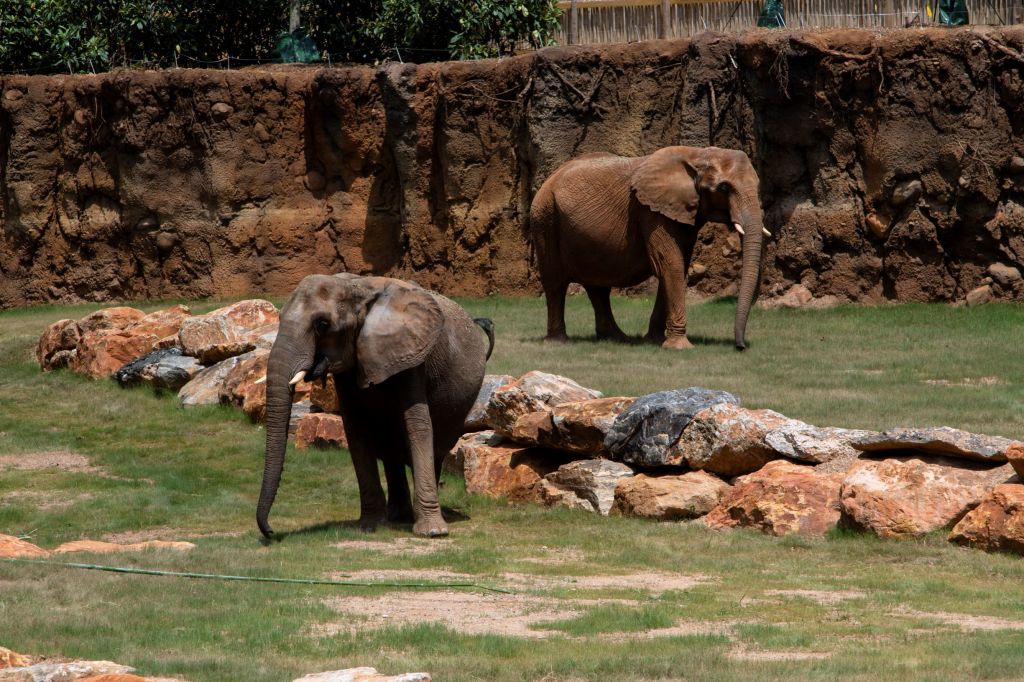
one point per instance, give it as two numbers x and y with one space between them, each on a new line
450 515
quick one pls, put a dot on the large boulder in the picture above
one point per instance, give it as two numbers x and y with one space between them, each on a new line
780 499
669 497
117 317
727 439
532 392
58 345
579 427
162 323
495 467
996 524
48 671
1015 456
231 330
12 659
646 432
585 484
908 496
940 441
104 351
320 430
205 387
162 368
322 394
245 385
476 420
803 442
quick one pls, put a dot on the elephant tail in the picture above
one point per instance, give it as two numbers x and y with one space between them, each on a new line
487 325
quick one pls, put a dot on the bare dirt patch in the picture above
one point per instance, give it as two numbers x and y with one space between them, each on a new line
826 597
396 547
473 613
966 381
43 500
966 622
745 654
51 459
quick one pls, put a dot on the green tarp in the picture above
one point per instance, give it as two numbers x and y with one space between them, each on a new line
952 13
773 15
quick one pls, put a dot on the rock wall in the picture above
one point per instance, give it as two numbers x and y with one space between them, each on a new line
891 165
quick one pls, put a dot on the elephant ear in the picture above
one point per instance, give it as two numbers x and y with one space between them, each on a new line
399 331
665 182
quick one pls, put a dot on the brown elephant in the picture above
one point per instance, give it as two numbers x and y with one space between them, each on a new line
407 364
610 221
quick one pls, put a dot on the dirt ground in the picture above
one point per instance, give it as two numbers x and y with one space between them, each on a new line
892 165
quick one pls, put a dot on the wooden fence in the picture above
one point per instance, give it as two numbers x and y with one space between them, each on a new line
617 21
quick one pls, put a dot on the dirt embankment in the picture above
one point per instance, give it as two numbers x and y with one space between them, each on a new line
892 165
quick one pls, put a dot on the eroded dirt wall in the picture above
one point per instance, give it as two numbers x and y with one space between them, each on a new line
892 165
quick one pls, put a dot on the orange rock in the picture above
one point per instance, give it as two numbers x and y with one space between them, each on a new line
228 331
669 497
780 499
103 352
100 547
497 468
1015 456
532 392
997 523
727 439
10 659
324 397
320 430
56 343
114 677
120 317
11 548
245 385
162 323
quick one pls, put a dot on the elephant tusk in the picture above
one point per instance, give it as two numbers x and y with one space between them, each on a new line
299 376
766 232
739 228
261 379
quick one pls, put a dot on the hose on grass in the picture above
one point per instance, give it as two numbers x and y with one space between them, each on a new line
257 579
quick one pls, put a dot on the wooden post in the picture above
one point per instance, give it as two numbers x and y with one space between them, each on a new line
665 30
574 23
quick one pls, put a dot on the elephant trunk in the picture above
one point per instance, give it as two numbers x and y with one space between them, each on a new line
746 210
286 358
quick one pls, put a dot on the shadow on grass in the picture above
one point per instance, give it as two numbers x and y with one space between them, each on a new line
452 516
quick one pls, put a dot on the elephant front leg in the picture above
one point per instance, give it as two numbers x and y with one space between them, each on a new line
666 257
420 435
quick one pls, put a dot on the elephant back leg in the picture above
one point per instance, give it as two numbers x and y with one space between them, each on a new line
604 320
362 432
667 255
553 278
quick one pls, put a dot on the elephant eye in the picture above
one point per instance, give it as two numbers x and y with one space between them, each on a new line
722 187
321 325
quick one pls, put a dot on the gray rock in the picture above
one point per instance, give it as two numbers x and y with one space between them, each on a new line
907 192
62 672
645 432
164 368
585 484
982 294
205 387
807 443
299 410
942 440
476 420
533 392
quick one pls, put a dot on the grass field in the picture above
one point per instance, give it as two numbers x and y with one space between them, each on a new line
591 598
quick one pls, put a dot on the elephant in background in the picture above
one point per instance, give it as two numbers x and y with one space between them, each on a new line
407 364
610 221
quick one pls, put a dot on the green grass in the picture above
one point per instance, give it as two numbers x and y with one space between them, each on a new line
195 475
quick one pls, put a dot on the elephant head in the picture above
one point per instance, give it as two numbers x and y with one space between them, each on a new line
372 326
697 185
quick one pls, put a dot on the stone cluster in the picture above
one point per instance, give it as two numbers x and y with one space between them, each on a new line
698 454
689 453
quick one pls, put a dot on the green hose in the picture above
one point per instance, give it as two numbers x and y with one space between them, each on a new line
249 578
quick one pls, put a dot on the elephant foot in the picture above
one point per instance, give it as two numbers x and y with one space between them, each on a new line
368 523
400 514
556 338
430 528
677 342
614 335
654 337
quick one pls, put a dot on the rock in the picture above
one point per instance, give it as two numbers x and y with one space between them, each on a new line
496 468
909 496
476 420
586 484
299 410
55 346
1015 456
205 387
1015 165
728 439
532 392
231 330
100 547
324 396
10 659
14 548
221 110
162 323
579 427
362 675
1006 275
876 225
805 443
796 297
996 524
104 351
321 430
906 192
942 440
118 317
645 432
669 497
62 672
780 499
245 385
982 294
116 677
164 368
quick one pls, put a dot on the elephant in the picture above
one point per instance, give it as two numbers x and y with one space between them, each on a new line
605 221
407 364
